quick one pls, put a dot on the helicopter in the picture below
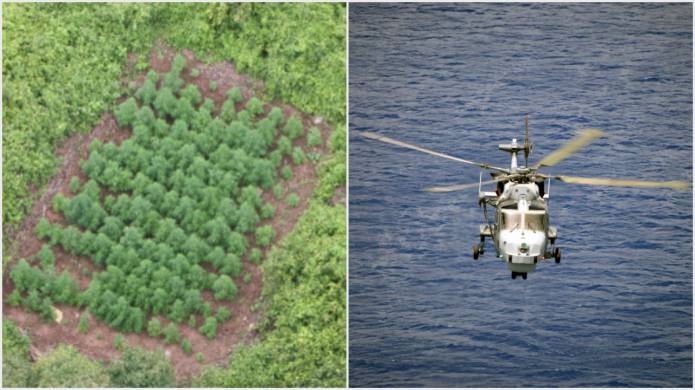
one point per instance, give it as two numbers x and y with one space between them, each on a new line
521 230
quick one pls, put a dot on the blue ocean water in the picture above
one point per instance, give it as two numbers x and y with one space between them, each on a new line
459 79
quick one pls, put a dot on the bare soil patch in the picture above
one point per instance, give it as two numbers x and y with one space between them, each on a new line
97 343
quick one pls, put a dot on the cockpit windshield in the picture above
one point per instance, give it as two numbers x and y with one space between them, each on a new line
531 220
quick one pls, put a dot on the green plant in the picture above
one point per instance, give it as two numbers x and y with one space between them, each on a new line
223 314
287 172
265 235
314 137
83 325
139 368
46 257
247 278
293 128
186 346
125 112
256 256
278 191
65 367
254 106
234 94
213 85
209 328
154 328
74 184
119 342
178 63
195 72
171 334
292 200
224 288
199 357
298 156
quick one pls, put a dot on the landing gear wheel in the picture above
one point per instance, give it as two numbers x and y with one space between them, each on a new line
476 252
524 275
513 275
557 255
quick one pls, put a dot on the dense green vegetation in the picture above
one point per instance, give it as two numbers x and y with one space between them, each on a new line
183 190
55 57
63 67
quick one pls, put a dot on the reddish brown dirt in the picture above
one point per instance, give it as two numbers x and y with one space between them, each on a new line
97 343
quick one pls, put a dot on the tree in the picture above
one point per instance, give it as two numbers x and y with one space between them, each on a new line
224 288
171 334
125 112
267 211
209 328
236 243
248 218
213 85
177 311
265 235
145 116
298 156
83 326
286 172
228 111
192 300
138 368
284 145
173 81
292 200
66 367
154 328
43 228
65 288
178 63
275 115
112 228
184 110
231 265
256 256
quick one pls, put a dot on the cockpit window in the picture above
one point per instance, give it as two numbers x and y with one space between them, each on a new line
529 221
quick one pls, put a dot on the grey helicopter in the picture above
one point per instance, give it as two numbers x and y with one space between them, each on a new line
521 230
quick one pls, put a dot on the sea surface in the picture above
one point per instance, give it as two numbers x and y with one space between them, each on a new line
459 79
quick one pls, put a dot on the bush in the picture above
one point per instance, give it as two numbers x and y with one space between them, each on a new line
172 81
66 367
275 115
314 137
234 94
292 200
265 235
16 367
125 112
199 357
224 288
247 278
178 63
46 257
286 172
186 346
148 92
191 93
119 342
213 85
254 106
293 128
209 328
154 328
298 156
228 112
141 368
256 256
171 334
195 72
223 314
267 211
166 102
83 325
74 184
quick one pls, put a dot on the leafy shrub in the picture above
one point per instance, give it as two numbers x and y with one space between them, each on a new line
234 94
224 288
228 112
186 346
292 200
314 137
256 256
223 314
195 72
254 106
141 368
213 86
265 235
83 325
119 342
286 172
66 367
172 81
46 257
74 184
209 328
191 93
267 211
154 328
148 92
293 128
298 156
178 63
125 112
166 102
171 334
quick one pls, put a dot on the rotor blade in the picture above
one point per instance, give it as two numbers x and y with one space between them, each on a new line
584 137
675 184
459 187
428 151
